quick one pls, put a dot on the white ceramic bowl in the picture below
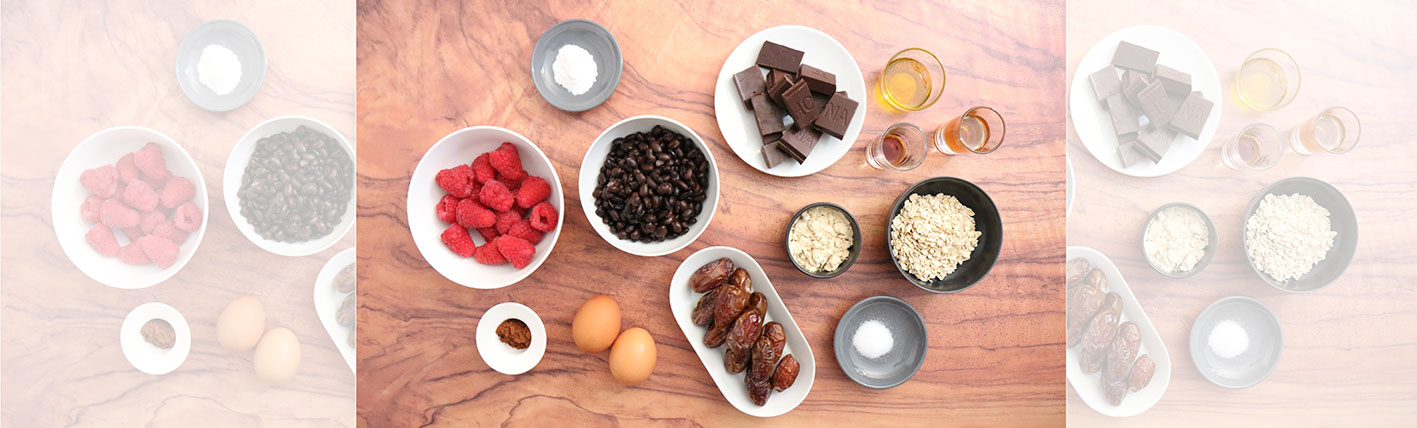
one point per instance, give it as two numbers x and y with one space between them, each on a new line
143 355
236 169
328 301
104 148
461 147
590 169
502 357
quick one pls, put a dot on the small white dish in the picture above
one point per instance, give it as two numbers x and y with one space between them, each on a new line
242 42
236 169
682 300
104 148
1094 125
740 129
595 158
461 147
146 357
328 301
1089 386
502 357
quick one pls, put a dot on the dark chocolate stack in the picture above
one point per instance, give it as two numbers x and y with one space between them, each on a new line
804 95
1160 94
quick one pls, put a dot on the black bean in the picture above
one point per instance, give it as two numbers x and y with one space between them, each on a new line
297 186
651 187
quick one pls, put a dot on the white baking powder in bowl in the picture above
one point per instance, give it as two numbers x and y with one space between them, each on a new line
219 69
574 69
1228 339
872 339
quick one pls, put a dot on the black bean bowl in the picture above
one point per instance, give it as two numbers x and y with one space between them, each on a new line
986 221
850 258
1341 219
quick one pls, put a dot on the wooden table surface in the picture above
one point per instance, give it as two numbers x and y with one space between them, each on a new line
427 69
1350 353
72 69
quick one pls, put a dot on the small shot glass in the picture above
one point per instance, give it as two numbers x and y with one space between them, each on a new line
902 148
979 130
912 80
1268 80
1335 130
1257 147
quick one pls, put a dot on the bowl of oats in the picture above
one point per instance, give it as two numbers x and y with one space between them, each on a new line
823 240
944 234
1300 234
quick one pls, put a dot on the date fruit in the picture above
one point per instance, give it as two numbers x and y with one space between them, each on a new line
787 369
730 302
742 280
1141 374
736 361
745 330
703 312
759 391
767 351
711 275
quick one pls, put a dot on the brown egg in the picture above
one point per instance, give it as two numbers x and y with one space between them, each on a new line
596 325
632 359
277 356
240 324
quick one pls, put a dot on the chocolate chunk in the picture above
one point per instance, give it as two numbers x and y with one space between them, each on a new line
769 117
800 104
776 89
1133 84
1154 104
818 81
773 154
798 142
750 83
1174 80
1130 154
775 76
1124 117
773 55
1155 141
836 116
1191 115
1127 55
1105 83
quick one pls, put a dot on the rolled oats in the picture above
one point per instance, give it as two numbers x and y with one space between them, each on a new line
1288 235
932 235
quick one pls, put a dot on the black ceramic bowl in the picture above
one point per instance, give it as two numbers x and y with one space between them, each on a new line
986 221
1341 219
850 258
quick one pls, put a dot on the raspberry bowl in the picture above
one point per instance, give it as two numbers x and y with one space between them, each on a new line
525 214
86 236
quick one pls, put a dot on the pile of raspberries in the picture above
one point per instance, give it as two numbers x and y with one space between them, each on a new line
140 199
496 197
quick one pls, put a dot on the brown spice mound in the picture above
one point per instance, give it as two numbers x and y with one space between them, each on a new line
514 333
159 333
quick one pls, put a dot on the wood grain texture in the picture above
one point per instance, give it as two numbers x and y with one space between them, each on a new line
72 68
1350 354
429 68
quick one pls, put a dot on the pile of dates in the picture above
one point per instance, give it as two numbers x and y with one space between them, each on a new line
1108 344
737 316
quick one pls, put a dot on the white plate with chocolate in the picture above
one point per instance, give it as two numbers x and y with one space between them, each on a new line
790 101
1147 372
1145 101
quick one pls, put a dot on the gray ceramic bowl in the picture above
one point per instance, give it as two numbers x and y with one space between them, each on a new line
247 47
1259 359
593 38
905 357
1342 221
986 221
850 258
1209 248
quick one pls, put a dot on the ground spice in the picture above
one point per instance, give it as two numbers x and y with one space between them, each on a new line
514 333
159 333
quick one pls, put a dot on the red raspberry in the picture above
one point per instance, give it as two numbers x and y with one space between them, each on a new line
151 162
162 251
166 230
473 215
127 169
511 184
149 220
101 181
133 254
489 254
488 233
482 169
90 208
494 195
516 250
101 238
533 190
505 220
543 217
457 239
187 217
523 230
176 191
115 214
140 196
447 209
507 161
457 181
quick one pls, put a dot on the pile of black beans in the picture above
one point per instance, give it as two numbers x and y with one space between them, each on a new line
297 186
651 187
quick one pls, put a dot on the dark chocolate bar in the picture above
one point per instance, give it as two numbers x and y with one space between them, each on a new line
1155 105
775 89
1130 154
1191 115
773 154
768 116
1174 80
1133 85
800 104
773 55
1154 141
1131 56
750 83
836 115
798 142
1124 117
818 81
1105 83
